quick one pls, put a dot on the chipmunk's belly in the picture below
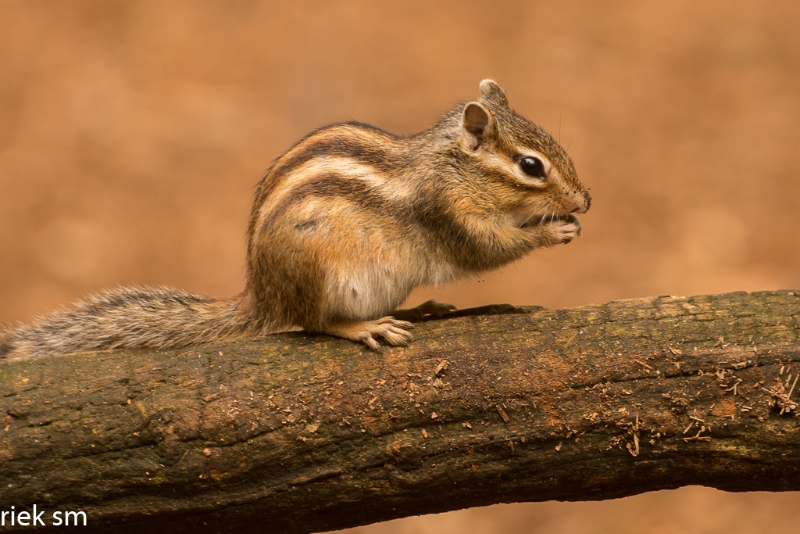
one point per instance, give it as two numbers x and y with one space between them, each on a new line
368 292
372 280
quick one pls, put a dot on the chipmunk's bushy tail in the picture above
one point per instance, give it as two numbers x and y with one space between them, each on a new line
127 317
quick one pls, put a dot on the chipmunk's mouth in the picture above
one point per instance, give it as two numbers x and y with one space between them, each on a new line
537 220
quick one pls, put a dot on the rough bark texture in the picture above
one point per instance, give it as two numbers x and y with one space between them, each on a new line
298 433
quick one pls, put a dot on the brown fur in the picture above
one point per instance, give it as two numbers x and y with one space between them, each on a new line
344 225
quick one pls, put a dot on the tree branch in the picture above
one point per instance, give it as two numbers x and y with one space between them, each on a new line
299 433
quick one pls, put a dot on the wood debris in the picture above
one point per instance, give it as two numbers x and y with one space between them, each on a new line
698 437
502 413
634 431
781 399
570 340
733 387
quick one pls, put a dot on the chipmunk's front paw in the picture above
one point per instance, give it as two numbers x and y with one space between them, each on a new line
562 229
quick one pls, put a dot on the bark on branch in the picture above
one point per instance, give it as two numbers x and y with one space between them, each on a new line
298 433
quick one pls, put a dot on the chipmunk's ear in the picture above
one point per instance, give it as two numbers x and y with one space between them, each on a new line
477 125
492 92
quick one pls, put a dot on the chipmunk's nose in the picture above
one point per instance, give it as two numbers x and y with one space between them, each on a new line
582 204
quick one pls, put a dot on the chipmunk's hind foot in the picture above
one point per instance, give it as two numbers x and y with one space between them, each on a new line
393 331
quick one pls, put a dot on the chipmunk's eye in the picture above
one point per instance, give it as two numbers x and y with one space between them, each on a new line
532 167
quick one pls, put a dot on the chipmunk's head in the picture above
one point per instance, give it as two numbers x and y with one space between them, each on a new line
528 173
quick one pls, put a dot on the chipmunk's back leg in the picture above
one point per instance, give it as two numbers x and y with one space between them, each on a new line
394 328
394 331
359 299
336 265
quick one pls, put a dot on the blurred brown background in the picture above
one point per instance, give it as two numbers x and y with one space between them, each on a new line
132 134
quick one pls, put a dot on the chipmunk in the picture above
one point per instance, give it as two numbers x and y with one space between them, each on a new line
344 225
